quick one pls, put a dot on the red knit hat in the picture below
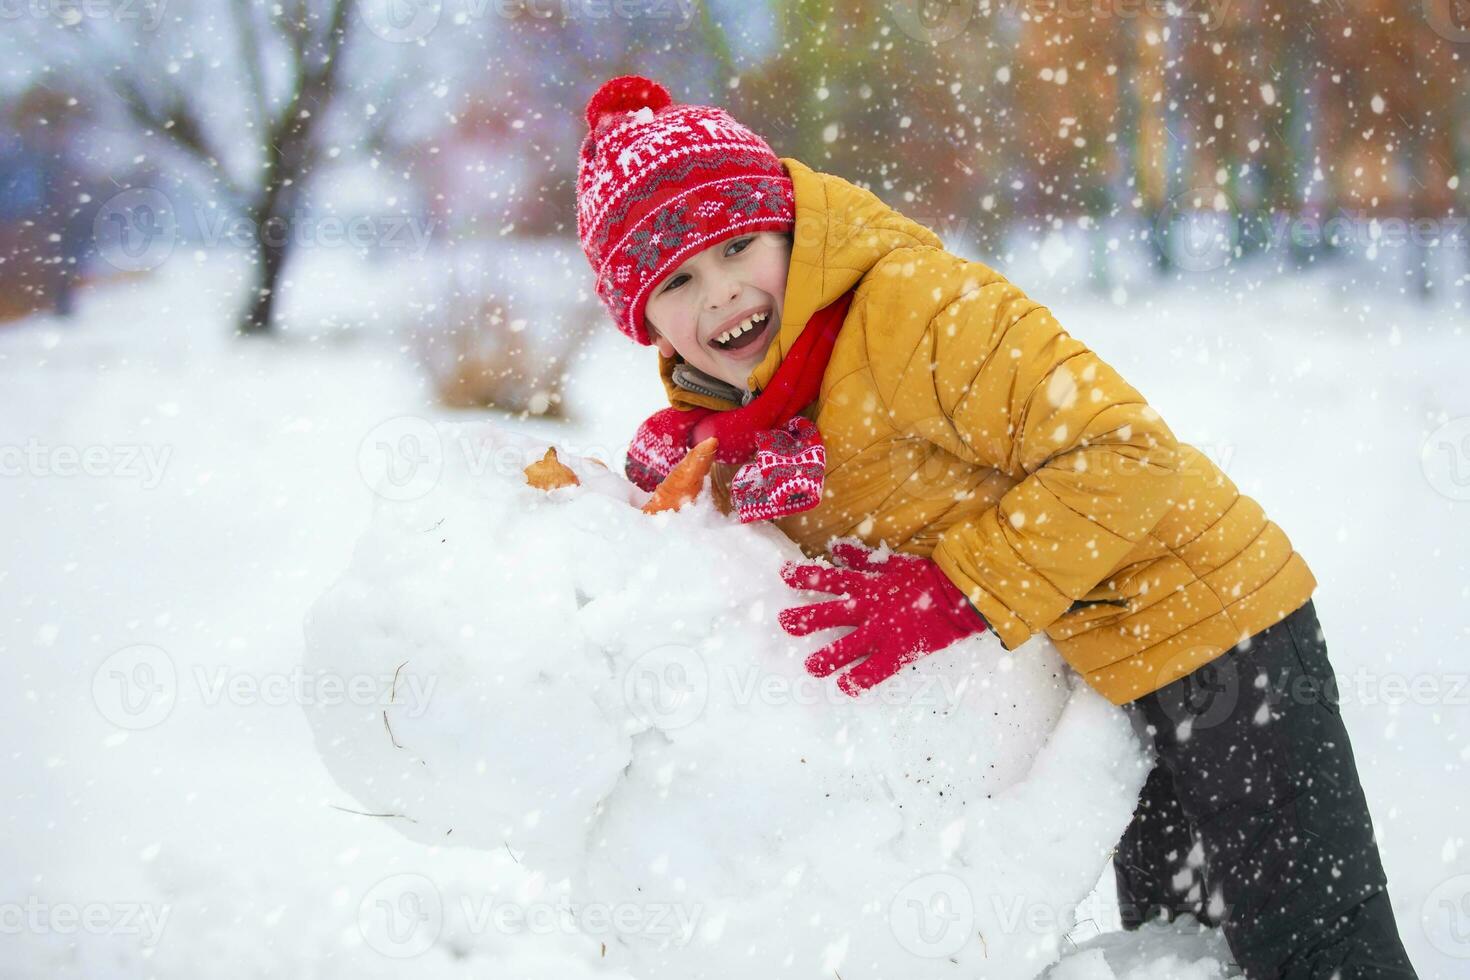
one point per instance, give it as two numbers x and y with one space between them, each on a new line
659 182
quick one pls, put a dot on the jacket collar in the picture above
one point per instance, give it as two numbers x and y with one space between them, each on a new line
690 378
841 232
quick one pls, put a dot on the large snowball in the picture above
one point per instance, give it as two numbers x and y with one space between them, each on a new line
607 694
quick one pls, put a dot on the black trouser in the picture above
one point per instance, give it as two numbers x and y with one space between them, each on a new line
1254 819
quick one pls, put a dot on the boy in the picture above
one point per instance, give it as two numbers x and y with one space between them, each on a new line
864 383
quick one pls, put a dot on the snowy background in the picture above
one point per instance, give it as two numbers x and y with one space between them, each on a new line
214 834
1255 213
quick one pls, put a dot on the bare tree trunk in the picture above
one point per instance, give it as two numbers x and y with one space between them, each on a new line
270 260
290 153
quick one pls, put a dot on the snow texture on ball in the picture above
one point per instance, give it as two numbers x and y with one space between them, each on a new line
607 694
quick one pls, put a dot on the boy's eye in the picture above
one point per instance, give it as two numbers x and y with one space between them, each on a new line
739 245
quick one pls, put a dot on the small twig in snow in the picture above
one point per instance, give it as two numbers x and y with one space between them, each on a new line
364 813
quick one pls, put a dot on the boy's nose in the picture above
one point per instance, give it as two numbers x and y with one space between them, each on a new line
723 294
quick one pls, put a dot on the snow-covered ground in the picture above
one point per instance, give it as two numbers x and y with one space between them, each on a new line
173 502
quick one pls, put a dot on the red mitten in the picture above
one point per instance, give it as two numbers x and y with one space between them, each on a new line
903 608
660 442
786 476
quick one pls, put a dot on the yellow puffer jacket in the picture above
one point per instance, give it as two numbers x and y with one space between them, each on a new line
962 423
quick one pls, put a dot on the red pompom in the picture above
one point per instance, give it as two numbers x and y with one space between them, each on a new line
626 93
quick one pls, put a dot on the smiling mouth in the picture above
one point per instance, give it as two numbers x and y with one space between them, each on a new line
747 338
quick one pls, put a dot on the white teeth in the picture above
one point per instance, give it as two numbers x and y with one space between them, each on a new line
740 328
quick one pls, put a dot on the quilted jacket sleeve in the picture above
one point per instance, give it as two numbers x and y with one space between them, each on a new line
993 378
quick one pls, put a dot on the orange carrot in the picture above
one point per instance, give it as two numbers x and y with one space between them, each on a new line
685 480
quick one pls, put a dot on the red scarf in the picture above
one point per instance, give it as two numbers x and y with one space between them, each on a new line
789 464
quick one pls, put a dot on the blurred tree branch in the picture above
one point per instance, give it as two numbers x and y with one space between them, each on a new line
282 73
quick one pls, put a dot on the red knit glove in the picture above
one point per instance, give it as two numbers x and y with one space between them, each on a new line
660 442
904 608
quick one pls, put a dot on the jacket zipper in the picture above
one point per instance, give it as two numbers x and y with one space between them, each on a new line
682 380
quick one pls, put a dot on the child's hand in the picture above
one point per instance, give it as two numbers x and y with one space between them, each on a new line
660 443
903 608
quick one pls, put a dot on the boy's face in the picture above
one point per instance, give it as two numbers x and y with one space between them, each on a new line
696 308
